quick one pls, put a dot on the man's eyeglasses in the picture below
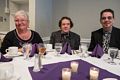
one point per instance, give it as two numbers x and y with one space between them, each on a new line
109 18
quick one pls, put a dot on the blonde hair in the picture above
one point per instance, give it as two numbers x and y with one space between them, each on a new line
22 12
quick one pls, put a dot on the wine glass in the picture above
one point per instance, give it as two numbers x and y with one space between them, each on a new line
113 54
41 49
27 48
84 49
58 48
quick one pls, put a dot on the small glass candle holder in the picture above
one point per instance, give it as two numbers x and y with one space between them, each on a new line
94 73
74 66
66 74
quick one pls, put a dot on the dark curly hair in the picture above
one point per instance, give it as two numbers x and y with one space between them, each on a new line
60 21
107 10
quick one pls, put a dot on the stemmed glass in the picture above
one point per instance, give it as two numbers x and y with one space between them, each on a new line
41 49
58 48
113 54
27 48
84 49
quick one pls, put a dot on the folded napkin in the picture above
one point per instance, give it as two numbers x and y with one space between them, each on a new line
97 52
66 48
4 59
34 50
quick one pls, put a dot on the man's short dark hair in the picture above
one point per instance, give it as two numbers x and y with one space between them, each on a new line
106 10
60 21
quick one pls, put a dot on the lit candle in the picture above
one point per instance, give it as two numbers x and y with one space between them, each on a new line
66 74
94 73
74 66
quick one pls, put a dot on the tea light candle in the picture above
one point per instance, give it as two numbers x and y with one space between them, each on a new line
94 73
74 66
66 74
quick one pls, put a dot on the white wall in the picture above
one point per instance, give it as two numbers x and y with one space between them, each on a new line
60 9
43 17
32 14
45 14
4 26
84 13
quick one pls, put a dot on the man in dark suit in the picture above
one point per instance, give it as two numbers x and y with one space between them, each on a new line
108 36
65 35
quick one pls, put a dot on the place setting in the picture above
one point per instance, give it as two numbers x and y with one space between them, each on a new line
12 52
112 57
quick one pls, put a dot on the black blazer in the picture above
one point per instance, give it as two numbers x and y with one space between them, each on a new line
73 39
97 38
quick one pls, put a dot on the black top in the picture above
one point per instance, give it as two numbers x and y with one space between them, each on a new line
12 39
71 37
97 38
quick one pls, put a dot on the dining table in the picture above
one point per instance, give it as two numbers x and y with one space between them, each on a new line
53 64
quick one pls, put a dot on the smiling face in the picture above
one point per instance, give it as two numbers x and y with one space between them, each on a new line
21 22
65 25
107 20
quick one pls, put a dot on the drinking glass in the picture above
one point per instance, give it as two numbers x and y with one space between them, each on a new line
113 54
84 49
41 49
27 48
58 48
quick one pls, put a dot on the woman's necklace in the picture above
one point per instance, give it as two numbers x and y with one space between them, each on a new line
24 36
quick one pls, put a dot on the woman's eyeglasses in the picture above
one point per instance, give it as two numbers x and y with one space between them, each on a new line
20 20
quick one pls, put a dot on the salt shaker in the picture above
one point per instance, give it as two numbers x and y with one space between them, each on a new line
37 63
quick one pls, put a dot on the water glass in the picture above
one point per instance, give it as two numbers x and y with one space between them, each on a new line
84 49
27 48
112 52
58 48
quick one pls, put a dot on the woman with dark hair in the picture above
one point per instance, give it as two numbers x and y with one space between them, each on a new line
65 35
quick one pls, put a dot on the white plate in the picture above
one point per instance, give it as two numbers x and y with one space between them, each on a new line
89 52
50 50
13 55
110 79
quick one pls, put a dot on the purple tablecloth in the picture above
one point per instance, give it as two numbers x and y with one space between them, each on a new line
53 72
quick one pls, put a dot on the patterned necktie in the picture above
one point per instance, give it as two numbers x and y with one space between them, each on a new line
106 41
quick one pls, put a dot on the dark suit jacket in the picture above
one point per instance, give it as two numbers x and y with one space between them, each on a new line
97 38
73 39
